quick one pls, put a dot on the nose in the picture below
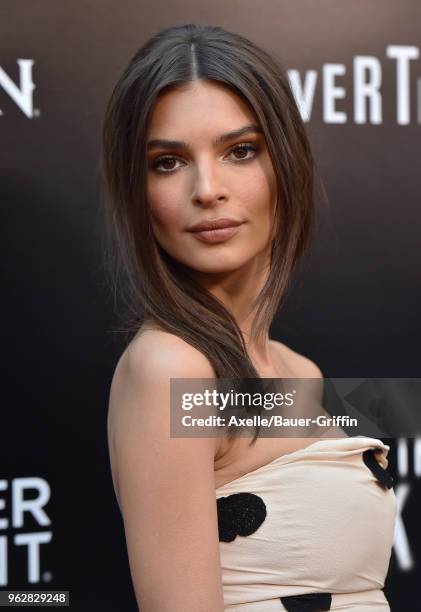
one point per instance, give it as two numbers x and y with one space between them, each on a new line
208 188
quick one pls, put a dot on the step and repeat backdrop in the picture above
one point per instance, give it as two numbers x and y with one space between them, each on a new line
354 306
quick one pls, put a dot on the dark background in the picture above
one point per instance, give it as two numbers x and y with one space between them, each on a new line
353 308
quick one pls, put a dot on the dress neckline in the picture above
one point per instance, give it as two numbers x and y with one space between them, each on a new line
266 465
285 456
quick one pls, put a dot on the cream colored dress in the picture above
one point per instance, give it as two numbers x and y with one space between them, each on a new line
328 528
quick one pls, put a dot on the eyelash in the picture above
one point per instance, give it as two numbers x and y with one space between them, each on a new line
241 147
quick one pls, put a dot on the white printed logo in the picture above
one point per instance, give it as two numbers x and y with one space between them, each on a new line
32 540
367 94
22 94
403 491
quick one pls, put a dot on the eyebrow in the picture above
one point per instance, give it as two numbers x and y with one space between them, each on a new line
159 143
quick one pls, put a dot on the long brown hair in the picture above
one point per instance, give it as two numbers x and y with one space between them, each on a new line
148 281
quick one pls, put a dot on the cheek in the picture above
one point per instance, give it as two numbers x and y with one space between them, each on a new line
164 207
258 195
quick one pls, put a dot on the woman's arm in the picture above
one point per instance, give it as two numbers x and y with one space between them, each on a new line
165 486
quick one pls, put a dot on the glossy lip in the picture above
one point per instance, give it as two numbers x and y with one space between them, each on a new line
213 224
213 236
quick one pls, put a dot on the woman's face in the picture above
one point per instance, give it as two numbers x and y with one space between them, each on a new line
203 174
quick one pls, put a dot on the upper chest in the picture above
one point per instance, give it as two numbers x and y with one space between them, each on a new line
238 457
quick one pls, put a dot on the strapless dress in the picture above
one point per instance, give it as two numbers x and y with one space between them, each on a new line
310 531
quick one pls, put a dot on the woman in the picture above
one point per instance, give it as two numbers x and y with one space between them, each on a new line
209 185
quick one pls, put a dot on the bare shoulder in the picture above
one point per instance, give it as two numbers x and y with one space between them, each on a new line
158 348
155 356
298 365
145 368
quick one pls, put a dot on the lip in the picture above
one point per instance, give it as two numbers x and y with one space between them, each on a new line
213 224
217 235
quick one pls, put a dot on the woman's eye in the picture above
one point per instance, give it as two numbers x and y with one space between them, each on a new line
244 149
157 165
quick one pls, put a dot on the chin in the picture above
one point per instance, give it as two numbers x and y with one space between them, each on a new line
212 269
210 266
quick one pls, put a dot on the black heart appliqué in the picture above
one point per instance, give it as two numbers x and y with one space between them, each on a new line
239 514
